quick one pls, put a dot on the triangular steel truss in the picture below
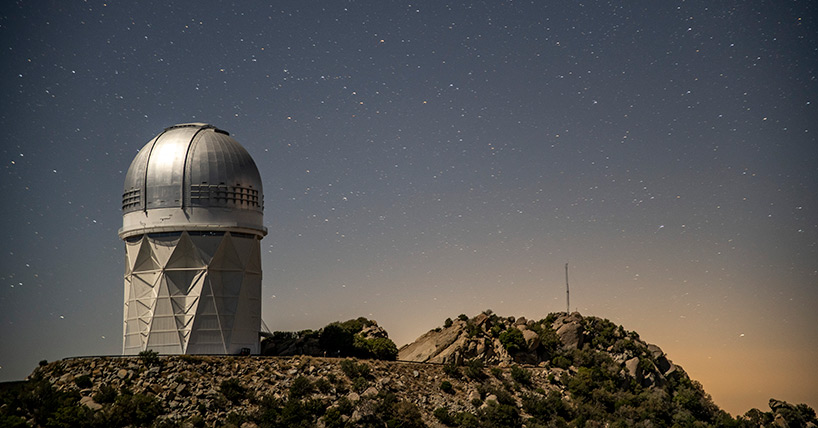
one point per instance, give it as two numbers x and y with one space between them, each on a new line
197 294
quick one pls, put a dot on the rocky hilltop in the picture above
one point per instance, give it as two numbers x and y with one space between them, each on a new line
553 343
485 371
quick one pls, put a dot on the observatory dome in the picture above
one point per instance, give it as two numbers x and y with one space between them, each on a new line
192 176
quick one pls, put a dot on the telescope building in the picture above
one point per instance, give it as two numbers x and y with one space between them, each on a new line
192 224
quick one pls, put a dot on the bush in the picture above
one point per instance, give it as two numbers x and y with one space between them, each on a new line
323 385
467 420
71 416
360 384
561 362
474 369
520 375
391 412
291 413
546 408
301 387
233 391
499 415
451 370
447 387
106 394
382 348
513 340
549 341
149 357
442 414
43 363
503 396
462 317
136 409
83 382
355 370
448 323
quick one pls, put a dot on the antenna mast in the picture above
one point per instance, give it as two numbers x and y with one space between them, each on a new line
567 292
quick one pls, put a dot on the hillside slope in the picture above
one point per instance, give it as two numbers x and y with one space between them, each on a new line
578 371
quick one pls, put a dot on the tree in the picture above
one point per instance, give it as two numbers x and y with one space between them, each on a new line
513 340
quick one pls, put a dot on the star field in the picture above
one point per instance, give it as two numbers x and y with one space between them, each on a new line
425 159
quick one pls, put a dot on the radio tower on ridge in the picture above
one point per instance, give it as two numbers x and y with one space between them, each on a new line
567 292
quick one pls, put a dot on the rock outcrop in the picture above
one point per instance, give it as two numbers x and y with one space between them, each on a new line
545 343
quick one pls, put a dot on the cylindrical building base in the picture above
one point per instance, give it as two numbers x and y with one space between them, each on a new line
192 292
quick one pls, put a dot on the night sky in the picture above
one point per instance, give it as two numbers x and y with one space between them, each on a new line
426 159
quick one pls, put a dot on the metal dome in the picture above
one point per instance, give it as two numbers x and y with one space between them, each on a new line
192 176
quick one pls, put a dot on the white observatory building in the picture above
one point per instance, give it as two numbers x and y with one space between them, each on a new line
192 224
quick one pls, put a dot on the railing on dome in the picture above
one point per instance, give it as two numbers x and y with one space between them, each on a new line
131 200
221 194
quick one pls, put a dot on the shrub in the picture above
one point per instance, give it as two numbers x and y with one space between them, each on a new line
360 384
499 415
497 372
323 385
355 370
442 414
71 416
513 340
472 330
382 348
333 418
106 394
546 408
561 362
448 323
301 387
474 369
12 421
520 375
136 409
503 396
462 317
451 370
235 419
43 363
83 382
549 341
291 413
467 420
233 391
447 387
191 359
391 412
149 357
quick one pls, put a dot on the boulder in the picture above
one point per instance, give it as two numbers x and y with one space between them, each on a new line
434 346
532 339
655 351
480 319
90 403
632 366
570 335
